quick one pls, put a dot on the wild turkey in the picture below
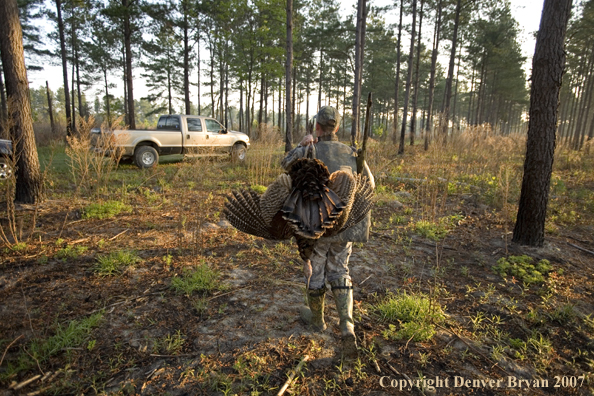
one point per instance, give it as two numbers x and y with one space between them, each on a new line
306 203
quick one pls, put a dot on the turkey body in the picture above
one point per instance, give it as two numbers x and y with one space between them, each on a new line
306 203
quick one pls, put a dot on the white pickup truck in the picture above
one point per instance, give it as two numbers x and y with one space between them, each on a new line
175 134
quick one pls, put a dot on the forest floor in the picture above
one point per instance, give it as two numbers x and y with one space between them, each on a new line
139 287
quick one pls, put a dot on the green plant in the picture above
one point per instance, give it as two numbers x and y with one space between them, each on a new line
105 210
65 338
417 315
17 247
521 268
173 344
200 305
70 252
430 230
115 262
201 279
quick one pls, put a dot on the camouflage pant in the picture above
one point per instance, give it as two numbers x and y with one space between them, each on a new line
330 261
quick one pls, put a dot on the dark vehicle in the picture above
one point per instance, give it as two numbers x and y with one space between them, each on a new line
5 159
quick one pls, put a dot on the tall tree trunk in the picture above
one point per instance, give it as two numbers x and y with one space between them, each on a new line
574 106
413 119
448 88
434 53
64 67
547 72
240 105
186 39
288 76
107 106
126 112
320 81
579 132
471 97
129 78
73 103
227 115
408 78
587 111
3 107
280 101
359 50
29 183
50 110
455 118
198 84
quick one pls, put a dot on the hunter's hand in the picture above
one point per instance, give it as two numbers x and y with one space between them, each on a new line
307 140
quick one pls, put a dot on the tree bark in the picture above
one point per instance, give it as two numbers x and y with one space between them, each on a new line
359 48
288 76
408 78
448 88
64 68
50 110
187 102
434 54
29 183
548 65
129 79
413 118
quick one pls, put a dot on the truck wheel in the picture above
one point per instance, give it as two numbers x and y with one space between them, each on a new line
5 169
238 152
146 157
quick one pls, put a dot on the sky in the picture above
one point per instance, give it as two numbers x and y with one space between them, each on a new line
526 12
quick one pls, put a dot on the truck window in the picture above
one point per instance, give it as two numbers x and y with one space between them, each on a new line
213 125
169 123
173 123
162 124
194 124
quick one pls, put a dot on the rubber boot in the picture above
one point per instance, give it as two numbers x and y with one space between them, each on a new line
343 294
313 314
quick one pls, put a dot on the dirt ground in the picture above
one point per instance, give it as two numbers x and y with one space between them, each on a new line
246 337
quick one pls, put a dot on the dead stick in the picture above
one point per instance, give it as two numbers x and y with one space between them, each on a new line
8 347
292 375
123 232
580 248
27 382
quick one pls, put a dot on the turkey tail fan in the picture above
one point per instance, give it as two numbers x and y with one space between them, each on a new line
274 198
311 207
362 202
344 184
242 210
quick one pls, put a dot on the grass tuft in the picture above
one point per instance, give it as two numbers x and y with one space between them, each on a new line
115 262
105 210
523 269
416 314
202 279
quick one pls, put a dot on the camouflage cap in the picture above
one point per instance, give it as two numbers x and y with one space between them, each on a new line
328 116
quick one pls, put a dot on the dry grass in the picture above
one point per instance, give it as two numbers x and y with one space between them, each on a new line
89 169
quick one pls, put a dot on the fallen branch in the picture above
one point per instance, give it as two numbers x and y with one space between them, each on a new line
123 232
292 375
8 347
80 240
26 382
580 248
